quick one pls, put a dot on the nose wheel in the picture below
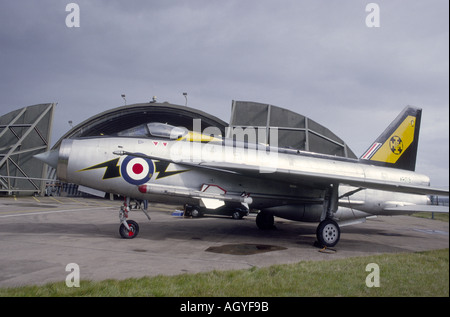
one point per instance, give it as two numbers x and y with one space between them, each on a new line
129 229
130 232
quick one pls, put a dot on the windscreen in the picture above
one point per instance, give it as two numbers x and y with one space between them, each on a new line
168 131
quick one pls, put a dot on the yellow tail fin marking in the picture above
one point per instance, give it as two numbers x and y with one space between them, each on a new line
397 143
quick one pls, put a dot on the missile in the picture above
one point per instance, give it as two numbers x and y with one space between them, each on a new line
190 193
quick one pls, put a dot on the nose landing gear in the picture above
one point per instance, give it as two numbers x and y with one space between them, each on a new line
129 229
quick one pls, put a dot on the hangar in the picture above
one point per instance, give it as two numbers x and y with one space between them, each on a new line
122 118
23 133
294 130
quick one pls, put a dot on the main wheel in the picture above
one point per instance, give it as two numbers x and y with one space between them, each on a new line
196 213
125 234
265 221
328 233
239 213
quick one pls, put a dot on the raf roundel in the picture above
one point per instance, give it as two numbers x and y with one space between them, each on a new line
136 170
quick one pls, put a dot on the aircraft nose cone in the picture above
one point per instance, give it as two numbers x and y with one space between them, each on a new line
50 157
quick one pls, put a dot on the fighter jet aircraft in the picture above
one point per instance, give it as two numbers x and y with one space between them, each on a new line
202 170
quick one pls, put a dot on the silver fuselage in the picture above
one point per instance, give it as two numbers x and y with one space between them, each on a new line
187 166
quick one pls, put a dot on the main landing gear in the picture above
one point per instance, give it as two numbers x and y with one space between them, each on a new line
129 229
265 221
328 233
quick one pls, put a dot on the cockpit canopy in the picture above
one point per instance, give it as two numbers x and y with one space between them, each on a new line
155 129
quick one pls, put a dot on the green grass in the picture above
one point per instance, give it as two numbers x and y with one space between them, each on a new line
437 216
405 274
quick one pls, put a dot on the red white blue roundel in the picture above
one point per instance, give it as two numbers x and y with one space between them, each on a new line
136 170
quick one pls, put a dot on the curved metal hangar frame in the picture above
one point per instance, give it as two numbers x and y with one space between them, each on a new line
126 117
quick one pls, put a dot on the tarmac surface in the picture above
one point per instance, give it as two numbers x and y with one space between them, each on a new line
40 236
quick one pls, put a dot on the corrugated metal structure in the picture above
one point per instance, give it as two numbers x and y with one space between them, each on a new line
24 133
118 119
295 131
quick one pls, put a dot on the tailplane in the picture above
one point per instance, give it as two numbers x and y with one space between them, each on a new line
397 145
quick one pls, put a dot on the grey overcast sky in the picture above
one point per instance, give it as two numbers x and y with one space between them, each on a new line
317 58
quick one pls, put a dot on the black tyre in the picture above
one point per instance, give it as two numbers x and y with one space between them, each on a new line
236 215
265 221
125 234
196 213
328 233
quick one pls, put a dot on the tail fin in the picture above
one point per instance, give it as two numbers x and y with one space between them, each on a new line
397 145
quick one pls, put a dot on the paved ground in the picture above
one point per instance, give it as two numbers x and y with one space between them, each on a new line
40 236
